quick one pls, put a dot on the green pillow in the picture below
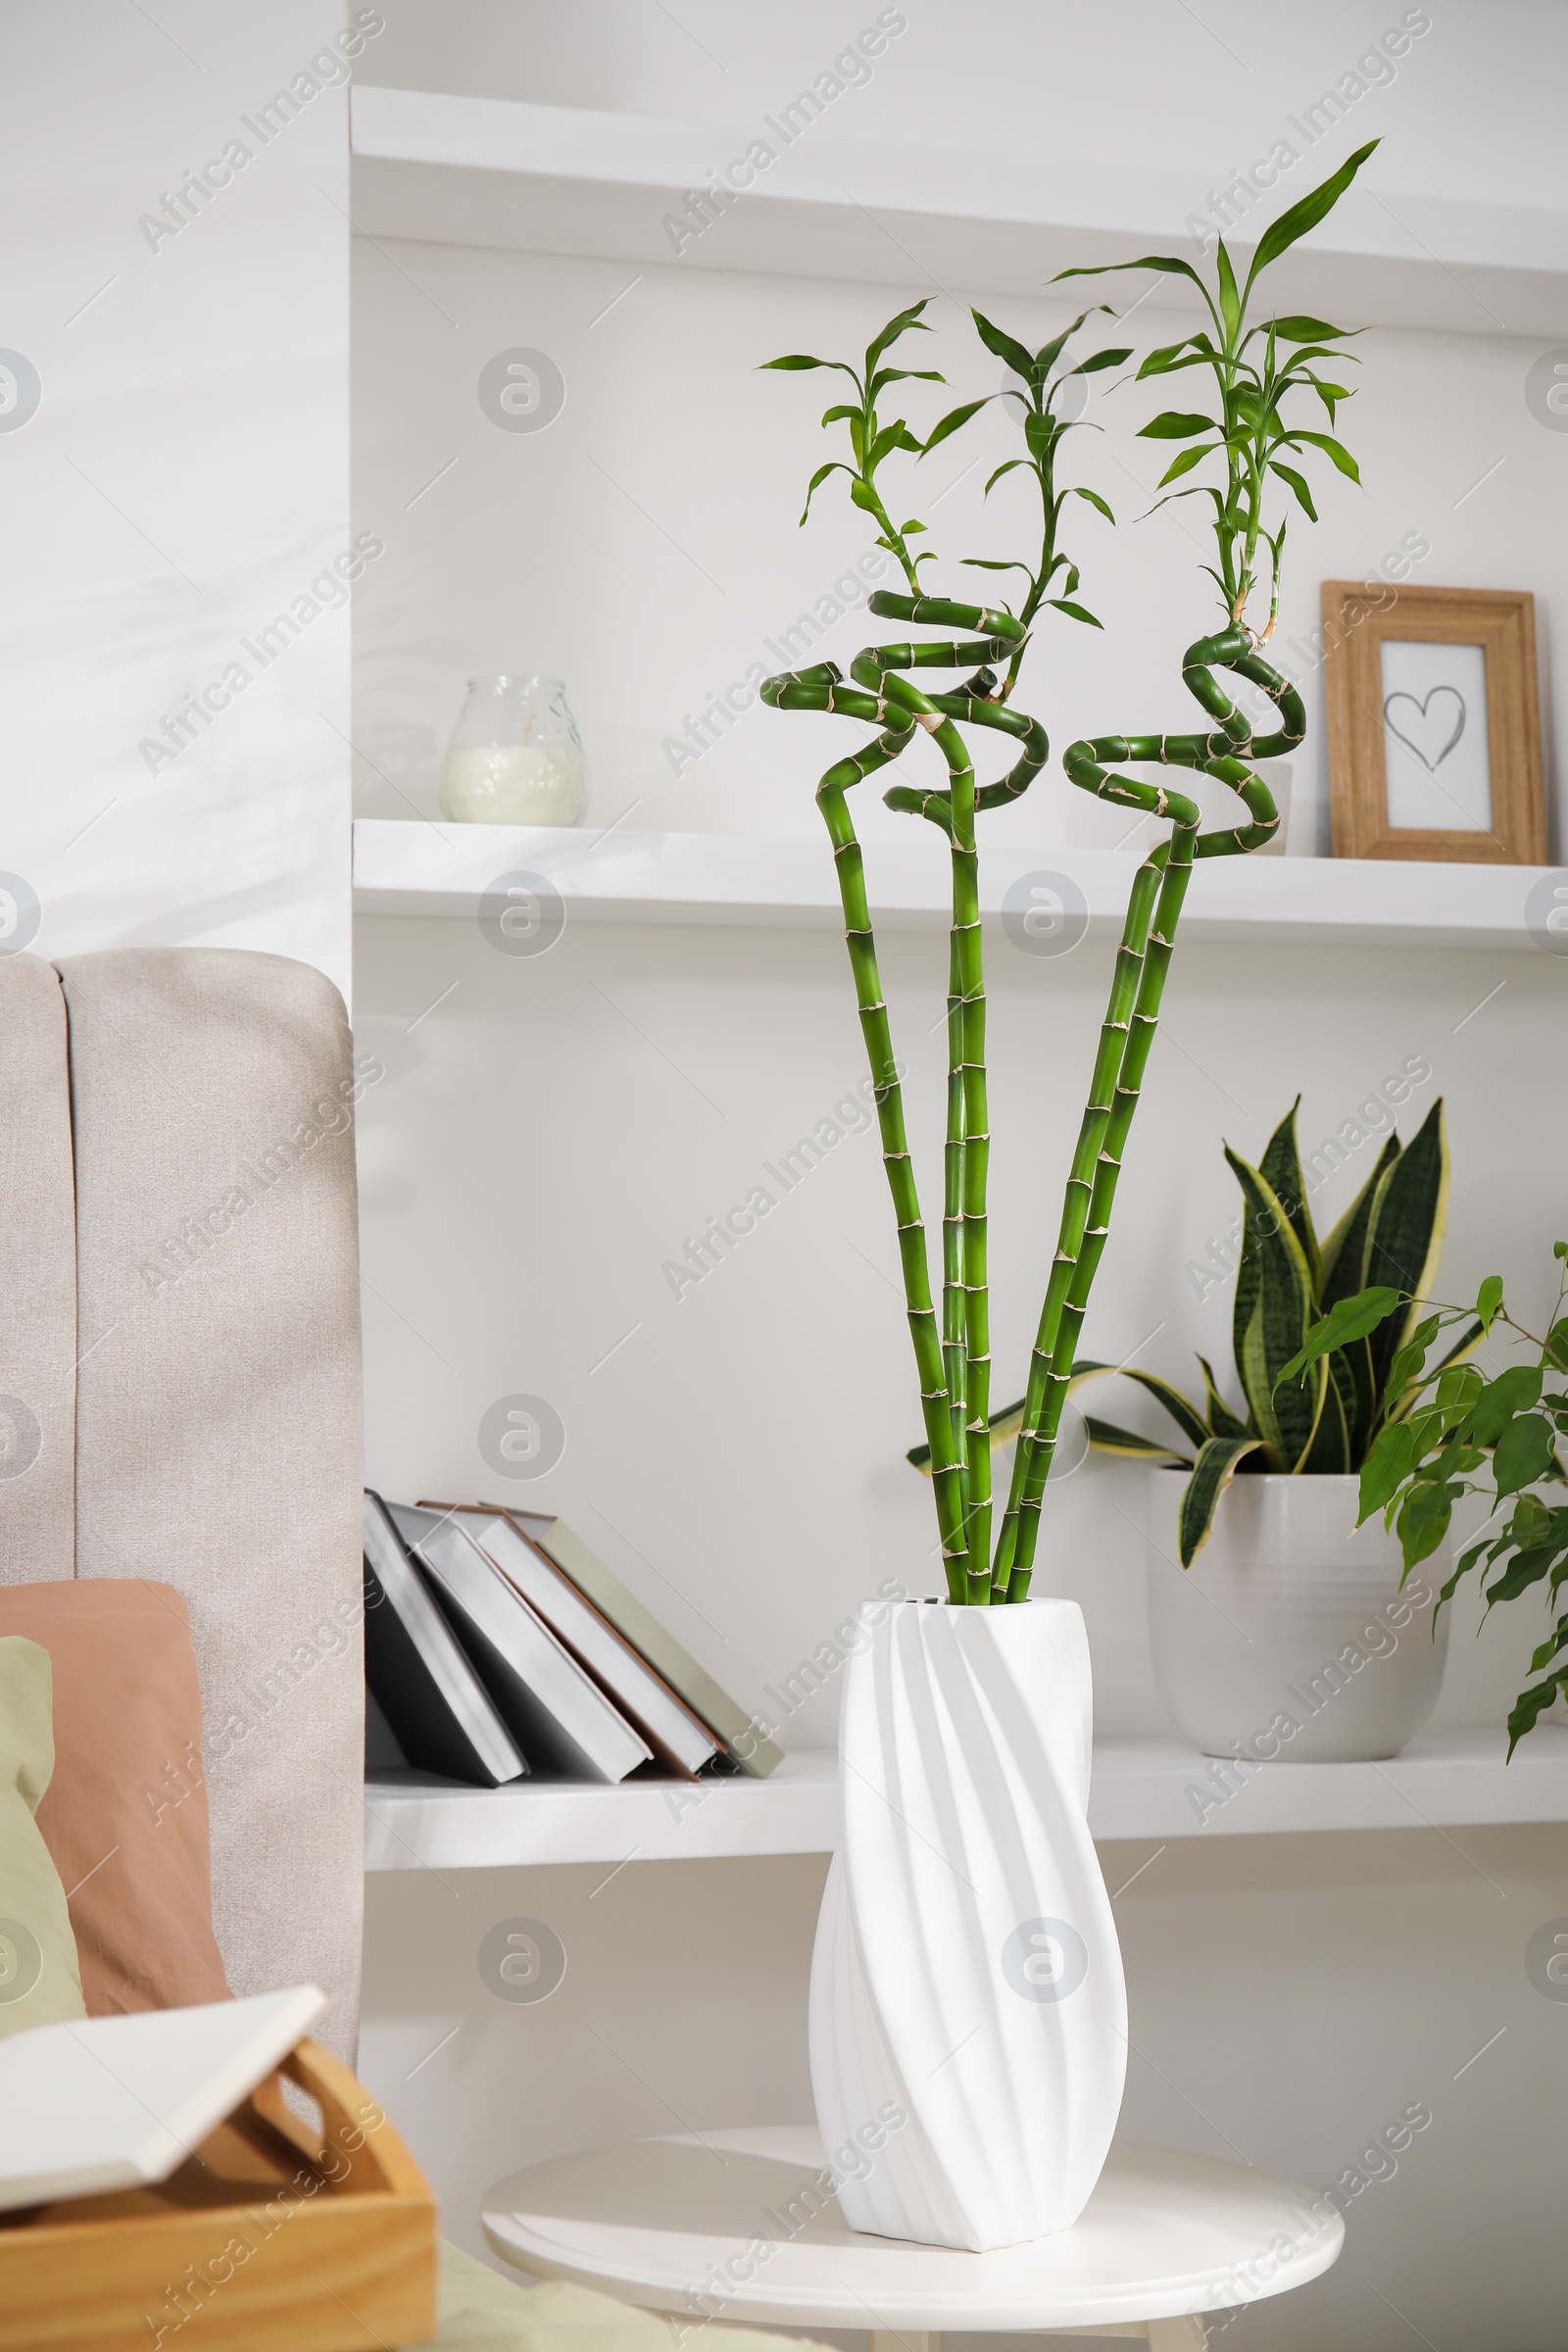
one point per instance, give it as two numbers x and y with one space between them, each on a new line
40 1980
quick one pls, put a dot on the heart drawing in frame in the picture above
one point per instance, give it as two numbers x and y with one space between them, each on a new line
1430 733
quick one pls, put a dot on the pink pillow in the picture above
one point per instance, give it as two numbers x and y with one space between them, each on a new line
124 1817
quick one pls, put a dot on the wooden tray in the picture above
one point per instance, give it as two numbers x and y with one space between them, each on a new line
271 2238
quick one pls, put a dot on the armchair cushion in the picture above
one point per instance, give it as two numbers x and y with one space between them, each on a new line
124 1816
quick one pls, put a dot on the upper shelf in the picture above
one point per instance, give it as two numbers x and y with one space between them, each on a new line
496 171
1139 1788
404 867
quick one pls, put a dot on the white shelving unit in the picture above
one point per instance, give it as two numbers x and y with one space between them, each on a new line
496 171
402 867
1140 1788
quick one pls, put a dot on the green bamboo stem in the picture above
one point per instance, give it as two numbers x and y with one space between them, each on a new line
1147 944
953 1319
821 688
967 987
954 1364
967 1151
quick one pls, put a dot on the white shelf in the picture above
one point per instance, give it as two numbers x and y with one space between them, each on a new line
1140 1788
795 1811
404 867
1446 1779
459 171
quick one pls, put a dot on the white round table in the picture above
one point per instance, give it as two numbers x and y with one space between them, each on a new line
742 2225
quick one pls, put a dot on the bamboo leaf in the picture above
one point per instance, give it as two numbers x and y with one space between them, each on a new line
1005 467
893 328
1095 500
1173 367
1185 463
1101 358
1007 347
1046 358
1165 261
1160 362
1039 434
1336 450
1176 425
952 420
1301 330
906 376
990 563
1230 299
1313 207
795 360
816 483
1303 496
1060 604
1216 1465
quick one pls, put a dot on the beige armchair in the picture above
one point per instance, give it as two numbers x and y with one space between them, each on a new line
179 1398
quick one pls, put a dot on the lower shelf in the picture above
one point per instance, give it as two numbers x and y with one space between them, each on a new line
1140 1788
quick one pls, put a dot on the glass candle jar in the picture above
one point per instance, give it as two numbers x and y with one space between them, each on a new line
514 758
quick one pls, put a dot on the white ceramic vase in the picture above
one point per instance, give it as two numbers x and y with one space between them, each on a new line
967 1977
1289 1637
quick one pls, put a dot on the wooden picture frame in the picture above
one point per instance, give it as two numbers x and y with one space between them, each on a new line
1390 742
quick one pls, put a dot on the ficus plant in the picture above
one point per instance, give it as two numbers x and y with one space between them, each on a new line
1259 368
1325 1418
1461 1434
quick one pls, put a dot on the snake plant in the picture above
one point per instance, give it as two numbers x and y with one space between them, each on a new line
1257 370
1323 1417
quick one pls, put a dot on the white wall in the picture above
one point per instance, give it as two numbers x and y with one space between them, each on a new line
183 480
1289 1997
643 545
1471 113
550 1130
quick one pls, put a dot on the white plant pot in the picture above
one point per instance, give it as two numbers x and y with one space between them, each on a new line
1288 1637
969 2015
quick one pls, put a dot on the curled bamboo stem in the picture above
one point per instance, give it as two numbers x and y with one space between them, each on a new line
954 1363
1143 963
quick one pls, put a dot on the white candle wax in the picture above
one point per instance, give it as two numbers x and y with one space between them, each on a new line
514 784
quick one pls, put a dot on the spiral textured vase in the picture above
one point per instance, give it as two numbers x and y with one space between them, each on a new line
967 1974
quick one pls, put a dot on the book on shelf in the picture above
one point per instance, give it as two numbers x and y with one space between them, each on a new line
624 1614
680 1740
96 2104
564 1723
434 1705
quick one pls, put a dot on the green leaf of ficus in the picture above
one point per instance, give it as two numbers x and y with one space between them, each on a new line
1350 1319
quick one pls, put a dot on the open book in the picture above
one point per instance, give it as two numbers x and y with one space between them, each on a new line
100 2103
